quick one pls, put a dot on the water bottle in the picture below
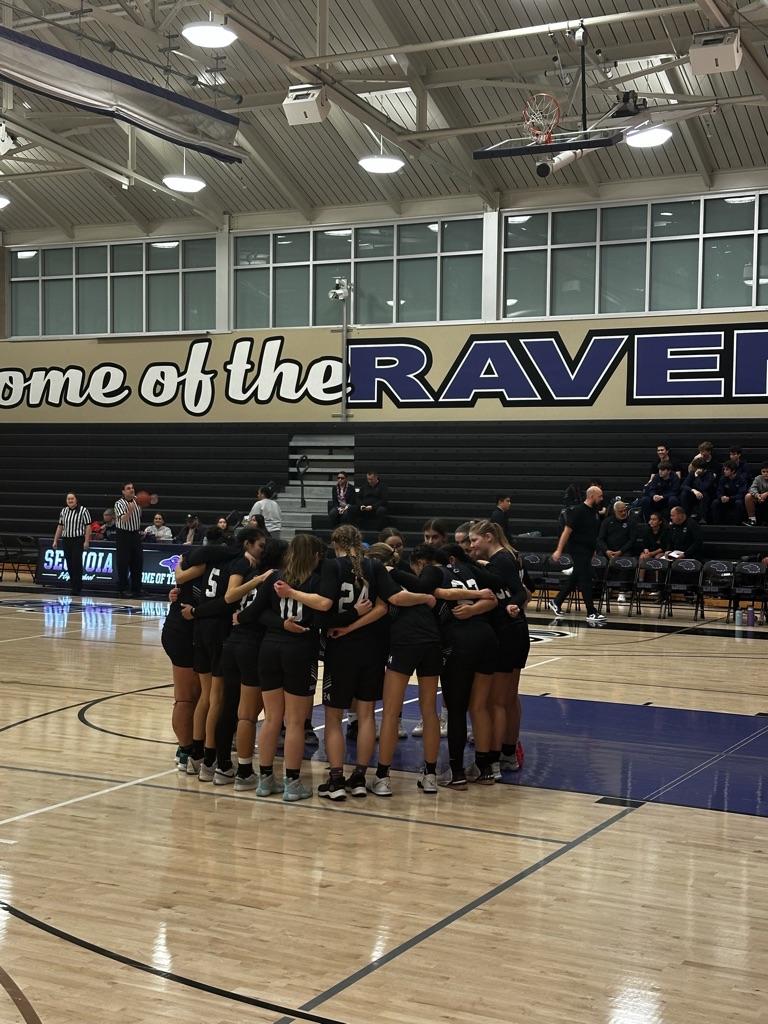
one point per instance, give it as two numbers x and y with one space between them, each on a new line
739 617
750 616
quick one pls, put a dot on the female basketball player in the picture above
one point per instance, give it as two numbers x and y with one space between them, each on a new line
469 655
414 646
489 543
287 667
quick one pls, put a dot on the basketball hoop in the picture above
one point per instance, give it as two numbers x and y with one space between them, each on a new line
541 115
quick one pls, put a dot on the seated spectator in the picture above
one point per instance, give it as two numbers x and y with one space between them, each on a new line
697 490
193 532
705 451
107 530
372 501
342 508
266 506
756 498
227 533
500 516
728 504
685 537
617 533
742 467
655 537
662 492
663 454
158 532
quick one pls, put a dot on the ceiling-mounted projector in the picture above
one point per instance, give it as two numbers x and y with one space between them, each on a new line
716 51
306 104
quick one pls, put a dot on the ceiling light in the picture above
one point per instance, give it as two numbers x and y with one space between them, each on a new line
212 34
183 182
381 162
26 254
519 219
647 138
164 245
740 199
4 200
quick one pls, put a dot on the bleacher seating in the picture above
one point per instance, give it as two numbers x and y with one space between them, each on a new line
449 470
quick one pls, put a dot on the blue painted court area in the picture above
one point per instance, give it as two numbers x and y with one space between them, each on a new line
652 754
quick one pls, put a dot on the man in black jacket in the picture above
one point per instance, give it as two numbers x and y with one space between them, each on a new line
618 533
372 500
193 532
685 536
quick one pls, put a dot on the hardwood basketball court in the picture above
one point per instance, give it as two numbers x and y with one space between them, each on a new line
575 893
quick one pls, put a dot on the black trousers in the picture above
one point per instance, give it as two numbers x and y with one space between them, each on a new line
130 560
581 578
73 552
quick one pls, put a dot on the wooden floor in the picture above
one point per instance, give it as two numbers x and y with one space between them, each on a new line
131 893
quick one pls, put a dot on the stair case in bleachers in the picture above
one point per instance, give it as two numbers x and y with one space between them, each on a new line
326 455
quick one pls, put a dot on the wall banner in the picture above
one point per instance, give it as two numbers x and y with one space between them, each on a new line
643 368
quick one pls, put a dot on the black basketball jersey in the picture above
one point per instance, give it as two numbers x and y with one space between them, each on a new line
247 632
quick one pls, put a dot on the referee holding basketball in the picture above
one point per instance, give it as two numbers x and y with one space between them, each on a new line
129 554
74 532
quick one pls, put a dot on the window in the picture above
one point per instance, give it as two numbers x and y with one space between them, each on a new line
121 288
670 255
404 273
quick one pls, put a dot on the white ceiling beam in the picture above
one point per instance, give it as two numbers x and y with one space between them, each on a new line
691 132
713 10
350 137
169 15
270 164
122 197
133 15
386 23
203 206
61 144
281 53
495 37
49 211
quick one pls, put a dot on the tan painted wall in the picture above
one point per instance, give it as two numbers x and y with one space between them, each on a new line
268 375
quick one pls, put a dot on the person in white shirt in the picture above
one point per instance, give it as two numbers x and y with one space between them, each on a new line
158 531
268 507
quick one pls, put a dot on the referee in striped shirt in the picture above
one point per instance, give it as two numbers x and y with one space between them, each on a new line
129 554
74 532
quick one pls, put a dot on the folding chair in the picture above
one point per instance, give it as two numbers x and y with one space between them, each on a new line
619 572
748 585
683 581
13 556
535 565
645 586
716 582
599 564
552 579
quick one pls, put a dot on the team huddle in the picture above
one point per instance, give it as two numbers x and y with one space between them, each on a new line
246 629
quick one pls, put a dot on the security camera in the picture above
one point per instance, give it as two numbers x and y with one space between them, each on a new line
7 142
340 291
543 168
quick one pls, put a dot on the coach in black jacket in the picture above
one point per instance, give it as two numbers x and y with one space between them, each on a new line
685 535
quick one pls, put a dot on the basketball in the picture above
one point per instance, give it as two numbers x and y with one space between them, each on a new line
143 499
